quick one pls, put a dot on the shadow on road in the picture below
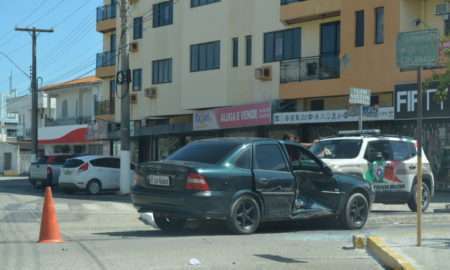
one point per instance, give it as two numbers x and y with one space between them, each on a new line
217 228
23 187
279 259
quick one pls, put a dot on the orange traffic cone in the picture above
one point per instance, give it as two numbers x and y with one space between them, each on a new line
49 223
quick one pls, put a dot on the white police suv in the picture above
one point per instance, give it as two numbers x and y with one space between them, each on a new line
389 162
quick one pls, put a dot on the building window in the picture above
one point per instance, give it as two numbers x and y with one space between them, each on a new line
64 109
137 28
137 79
379 25
447 27
248 50
163 14
197 3
359 30
112 42
205 56
112 88
282 45
162 71
235 52
374 100
317 105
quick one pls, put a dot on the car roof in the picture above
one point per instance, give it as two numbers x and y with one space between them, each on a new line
91 157
370 138
238 140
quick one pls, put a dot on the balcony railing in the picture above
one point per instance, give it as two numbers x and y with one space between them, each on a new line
104 107
106 12
287 2
49 122
310 68
106 59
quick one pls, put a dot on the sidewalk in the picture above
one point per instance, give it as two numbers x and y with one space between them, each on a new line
434 254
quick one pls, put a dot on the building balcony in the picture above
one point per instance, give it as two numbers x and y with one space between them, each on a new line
104 110
310 68
49 122
298 11
106 18
106 64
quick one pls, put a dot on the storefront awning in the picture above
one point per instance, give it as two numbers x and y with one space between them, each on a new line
63 134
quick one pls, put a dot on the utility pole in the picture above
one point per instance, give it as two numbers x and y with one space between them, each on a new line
123 79
34 90
419 184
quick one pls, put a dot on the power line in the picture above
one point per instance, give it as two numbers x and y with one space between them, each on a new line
7 34
71 14
49 11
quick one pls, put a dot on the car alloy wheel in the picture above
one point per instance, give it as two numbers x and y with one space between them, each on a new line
426 196
94 187
356 212
245 215
169 223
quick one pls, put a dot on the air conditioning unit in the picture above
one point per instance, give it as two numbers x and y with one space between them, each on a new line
134 47
151 92
133 99
264 73
132 2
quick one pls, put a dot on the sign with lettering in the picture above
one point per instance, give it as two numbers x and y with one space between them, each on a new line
334 116
418 49
406 103
234 117
360 96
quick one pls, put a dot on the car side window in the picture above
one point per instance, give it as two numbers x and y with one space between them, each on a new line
98 162
403 150
269 157
382 147
301 160
244 159
114 163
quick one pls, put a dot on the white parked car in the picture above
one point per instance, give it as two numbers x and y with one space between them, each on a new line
388 162
91 173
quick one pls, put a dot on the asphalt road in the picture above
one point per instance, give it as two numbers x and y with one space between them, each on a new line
104 232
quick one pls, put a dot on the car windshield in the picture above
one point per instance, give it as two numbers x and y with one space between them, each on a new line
205 152
337 149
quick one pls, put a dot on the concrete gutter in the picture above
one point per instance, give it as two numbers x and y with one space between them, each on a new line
385 255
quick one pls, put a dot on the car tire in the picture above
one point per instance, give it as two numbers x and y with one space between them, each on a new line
169 223
426 197
94 187
356 212
245 215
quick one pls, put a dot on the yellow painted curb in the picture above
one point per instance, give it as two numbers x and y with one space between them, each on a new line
386 255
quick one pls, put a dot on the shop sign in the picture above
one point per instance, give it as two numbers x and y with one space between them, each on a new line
314 117
234 117
360 96
406 103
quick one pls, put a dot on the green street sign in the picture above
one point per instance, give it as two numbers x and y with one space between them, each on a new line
418 49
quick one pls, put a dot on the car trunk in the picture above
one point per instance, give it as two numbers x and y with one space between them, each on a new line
167 175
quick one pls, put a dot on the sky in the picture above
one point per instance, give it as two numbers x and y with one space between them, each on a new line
66 54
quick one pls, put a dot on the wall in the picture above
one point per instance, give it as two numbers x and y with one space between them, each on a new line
372 66
15 157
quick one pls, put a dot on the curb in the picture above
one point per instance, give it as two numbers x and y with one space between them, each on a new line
385 255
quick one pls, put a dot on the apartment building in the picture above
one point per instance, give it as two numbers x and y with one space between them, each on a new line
204 68
74 129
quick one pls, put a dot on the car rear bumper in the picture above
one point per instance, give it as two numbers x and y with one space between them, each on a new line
205 204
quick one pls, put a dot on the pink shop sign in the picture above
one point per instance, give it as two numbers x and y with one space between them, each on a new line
234 117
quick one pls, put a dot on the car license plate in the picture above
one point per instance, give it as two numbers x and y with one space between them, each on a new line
159 180
67 172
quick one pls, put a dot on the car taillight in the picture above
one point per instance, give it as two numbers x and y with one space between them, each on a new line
84 167
196 181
